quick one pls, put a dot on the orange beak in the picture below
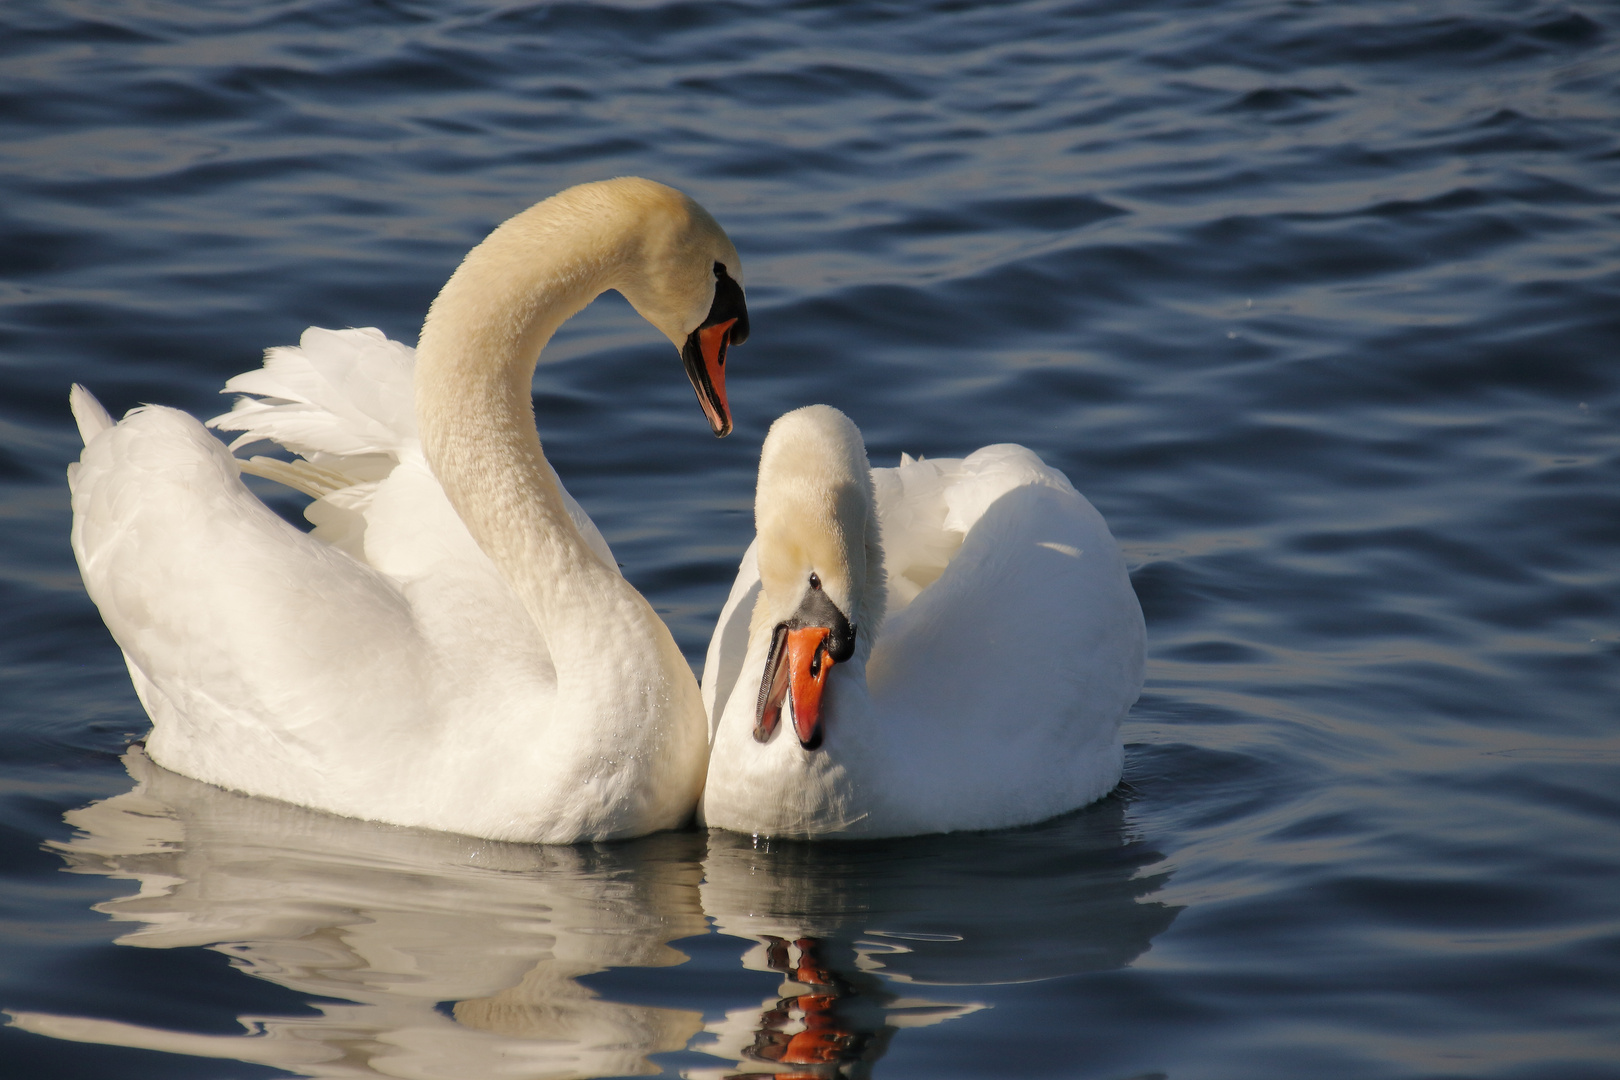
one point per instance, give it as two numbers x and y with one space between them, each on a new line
705 357
808 665
797 672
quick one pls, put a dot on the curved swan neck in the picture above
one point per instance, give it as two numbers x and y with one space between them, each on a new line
474 369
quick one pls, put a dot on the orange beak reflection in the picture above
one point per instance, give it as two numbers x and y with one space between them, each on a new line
808 665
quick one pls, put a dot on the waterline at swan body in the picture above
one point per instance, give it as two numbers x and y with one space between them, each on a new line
947 645
453 647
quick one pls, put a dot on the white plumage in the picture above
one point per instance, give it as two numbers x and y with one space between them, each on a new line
453 646
991 692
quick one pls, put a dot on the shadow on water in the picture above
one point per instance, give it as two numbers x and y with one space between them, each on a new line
426 954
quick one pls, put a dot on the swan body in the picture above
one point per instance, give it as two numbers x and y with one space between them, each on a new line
453 646
947 645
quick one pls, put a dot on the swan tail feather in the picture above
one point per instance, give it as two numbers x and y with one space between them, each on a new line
88 413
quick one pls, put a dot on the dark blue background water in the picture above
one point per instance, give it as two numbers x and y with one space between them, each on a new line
1318 304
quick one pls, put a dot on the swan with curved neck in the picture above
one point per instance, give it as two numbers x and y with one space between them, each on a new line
452 646
947 645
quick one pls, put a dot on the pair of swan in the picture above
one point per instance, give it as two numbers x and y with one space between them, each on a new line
453 646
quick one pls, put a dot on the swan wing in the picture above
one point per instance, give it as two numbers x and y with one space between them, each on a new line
242 632
927 505
728 647
1003 683
989 473
911 508
344 401
322 668
339 393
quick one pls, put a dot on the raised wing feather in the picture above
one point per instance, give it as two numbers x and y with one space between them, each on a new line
344 393
343 400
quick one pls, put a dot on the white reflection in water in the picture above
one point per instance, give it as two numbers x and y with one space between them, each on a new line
394 922
455 957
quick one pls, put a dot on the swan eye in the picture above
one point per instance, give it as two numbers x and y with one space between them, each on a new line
815 582
719 270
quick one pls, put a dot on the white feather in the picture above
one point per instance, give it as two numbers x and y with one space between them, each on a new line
388 665
991 695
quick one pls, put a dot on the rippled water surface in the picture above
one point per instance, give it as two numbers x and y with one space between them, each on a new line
1317 302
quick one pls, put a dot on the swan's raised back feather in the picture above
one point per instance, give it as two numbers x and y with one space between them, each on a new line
340 392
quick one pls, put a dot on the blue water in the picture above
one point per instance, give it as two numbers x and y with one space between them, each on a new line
1318 303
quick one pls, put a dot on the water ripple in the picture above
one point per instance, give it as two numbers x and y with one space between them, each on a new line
1318 304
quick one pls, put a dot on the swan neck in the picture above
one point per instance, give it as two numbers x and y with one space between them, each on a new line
474 369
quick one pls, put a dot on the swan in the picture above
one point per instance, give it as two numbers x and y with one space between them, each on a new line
453 646
946 645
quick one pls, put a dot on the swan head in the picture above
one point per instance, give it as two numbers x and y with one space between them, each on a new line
657 247
686 279
820 563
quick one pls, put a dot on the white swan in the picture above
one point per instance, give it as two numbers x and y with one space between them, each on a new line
989 696
453 647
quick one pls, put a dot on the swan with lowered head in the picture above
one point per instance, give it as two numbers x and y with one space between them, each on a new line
453 646
988 694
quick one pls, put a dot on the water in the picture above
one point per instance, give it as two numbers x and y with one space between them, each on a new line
1316 302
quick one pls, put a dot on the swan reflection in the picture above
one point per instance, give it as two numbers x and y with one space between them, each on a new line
396 923
426 955
866 935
